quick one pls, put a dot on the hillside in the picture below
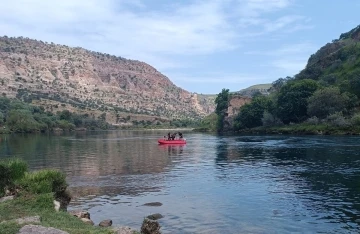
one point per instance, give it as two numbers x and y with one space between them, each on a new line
59 77
323 98
254 89
337 63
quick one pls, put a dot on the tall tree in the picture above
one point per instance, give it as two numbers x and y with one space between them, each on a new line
222 103
292 100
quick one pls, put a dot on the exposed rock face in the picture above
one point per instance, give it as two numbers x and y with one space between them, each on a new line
35 229
235 102
60 77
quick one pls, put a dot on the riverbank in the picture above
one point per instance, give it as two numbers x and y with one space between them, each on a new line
304 129
296 129
40 198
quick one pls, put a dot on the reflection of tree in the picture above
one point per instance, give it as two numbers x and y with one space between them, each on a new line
221 153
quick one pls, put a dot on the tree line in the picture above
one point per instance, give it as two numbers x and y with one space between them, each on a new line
294 101
18 116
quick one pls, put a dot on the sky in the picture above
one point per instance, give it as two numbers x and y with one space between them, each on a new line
201 45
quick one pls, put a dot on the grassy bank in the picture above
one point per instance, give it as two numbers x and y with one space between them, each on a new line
34 193
42 205
305 129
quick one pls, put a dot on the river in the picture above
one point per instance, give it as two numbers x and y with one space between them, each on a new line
213 184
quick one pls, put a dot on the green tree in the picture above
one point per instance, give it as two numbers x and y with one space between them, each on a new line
222 103
4 105
250 114
21 120
292 100
325 102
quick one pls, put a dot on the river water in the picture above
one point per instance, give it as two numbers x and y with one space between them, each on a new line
213 184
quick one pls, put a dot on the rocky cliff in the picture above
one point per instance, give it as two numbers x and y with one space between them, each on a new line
61 77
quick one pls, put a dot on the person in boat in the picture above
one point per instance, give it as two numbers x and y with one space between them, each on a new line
173 136
180 135
169 136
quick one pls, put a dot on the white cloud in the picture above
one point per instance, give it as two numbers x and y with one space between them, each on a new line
139 30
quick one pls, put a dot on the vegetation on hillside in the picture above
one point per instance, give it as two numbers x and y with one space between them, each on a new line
322 98
18 116
53 75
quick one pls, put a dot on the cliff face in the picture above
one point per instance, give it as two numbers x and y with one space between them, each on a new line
235 102
57 76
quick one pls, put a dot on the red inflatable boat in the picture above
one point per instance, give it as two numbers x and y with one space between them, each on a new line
171 142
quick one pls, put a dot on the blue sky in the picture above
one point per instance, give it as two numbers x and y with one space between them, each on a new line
201 45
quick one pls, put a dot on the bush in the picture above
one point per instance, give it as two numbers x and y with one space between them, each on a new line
10 172
4 179
270 120
313 120
65 125
337 119
325 102
355 120
44 181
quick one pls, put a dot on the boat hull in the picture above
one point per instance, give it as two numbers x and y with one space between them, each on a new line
171 142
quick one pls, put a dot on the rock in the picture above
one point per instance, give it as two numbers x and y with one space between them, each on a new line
8 198
32 219
63 198
153 204
88 221
105 223
57 205
155 216
35 229
123 230
150 227
80 214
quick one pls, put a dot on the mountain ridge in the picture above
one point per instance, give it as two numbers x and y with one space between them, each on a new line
53 75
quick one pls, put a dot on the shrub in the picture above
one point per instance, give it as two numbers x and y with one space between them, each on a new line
65 125
313 120
355 120
4 179
269 120
325 102
18 168
44 181
10 172
337 119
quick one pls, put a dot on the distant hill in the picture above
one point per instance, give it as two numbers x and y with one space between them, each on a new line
252 90
60 77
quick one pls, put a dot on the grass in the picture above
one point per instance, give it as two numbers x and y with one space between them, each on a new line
306 129
44 181
35 193
42 205
10 172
